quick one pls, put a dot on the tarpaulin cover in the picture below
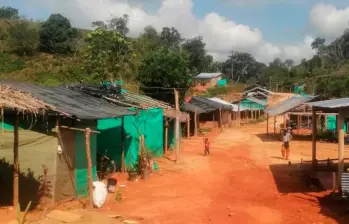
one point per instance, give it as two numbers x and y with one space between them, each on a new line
171 141
110 139
249 105
331 124
222 82
81 182
148 123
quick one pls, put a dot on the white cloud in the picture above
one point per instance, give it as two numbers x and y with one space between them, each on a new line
221 35
329 21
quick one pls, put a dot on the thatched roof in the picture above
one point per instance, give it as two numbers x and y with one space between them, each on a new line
13 99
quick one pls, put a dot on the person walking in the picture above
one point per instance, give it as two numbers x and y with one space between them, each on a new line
285 147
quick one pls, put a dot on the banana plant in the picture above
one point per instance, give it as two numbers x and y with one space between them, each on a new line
21 219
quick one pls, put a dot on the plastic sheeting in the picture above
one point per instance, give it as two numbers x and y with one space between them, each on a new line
149 123
81 183
331 124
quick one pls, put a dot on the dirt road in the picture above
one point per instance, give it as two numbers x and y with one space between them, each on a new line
240 182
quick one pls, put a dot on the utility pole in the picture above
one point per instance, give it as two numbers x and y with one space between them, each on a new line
177 124
232 68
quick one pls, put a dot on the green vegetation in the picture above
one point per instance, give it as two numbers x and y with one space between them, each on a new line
53 53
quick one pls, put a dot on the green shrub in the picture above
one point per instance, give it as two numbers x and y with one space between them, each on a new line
7 64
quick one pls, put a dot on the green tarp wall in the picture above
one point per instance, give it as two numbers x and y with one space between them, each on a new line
81 182
222 82
331 124
249 105
148 123
171 141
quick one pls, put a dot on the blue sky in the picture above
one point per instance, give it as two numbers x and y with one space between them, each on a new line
285 27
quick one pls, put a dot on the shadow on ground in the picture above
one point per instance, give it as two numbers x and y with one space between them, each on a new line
28 187
297 179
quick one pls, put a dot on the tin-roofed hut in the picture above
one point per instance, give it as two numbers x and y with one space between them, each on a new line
52 140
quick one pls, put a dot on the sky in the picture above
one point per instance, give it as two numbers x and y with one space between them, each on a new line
265 28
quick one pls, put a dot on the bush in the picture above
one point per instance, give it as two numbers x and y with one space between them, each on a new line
9 65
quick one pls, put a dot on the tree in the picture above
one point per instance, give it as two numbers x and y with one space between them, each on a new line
57 35
109 55
3 39
119 24
165 68
99 25
9 13
171 37
318 43
23 39
198 60
243 65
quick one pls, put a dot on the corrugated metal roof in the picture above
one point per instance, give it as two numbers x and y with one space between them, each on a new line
331 104
193 108
71 103
255 100
234 107
208 75
257 88
289 104
208 105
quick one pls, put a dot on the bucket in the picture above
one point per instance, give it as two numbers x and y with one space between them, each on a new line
111 185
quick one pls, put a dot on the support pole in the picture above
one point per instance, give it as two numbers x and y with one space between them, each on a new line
188 128
274 125
89 167
298 123
267 124
123 164
314 130
15 165
220 119
340 148
195 123
166 136
177 124
239 115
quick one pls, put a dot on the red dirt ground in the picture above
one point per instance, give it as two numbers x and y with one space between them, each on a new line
236 183
244 180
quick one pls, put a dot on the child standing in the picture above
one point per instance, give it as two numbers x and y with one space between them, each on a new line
207 146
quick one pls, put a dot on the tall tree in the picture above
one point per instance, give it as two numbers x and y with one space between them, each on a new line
171 37
57 35
23 39
197 54
119 24
166 68
109 55
8 13
3 39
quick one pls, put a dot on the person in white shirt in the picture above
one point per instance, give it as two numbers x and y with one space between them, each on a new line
285 147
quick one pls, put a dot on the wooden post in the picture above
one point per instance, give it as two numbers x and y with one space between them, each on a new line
285 125
195 123
220 118
177 124
314 130
298 123
239 114
2 121
340 148
267 124
89 167
15 165
166 136
123 164
214 123
274 125
55 162
188 128
309 121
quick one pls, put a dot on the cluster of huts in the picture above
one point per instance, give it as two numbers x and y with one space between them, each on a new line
43 130
306 112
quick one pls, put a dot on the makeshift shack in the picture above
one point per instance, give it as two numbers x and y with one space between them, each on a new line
252 107
194 112
217 114
53 144
154 120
